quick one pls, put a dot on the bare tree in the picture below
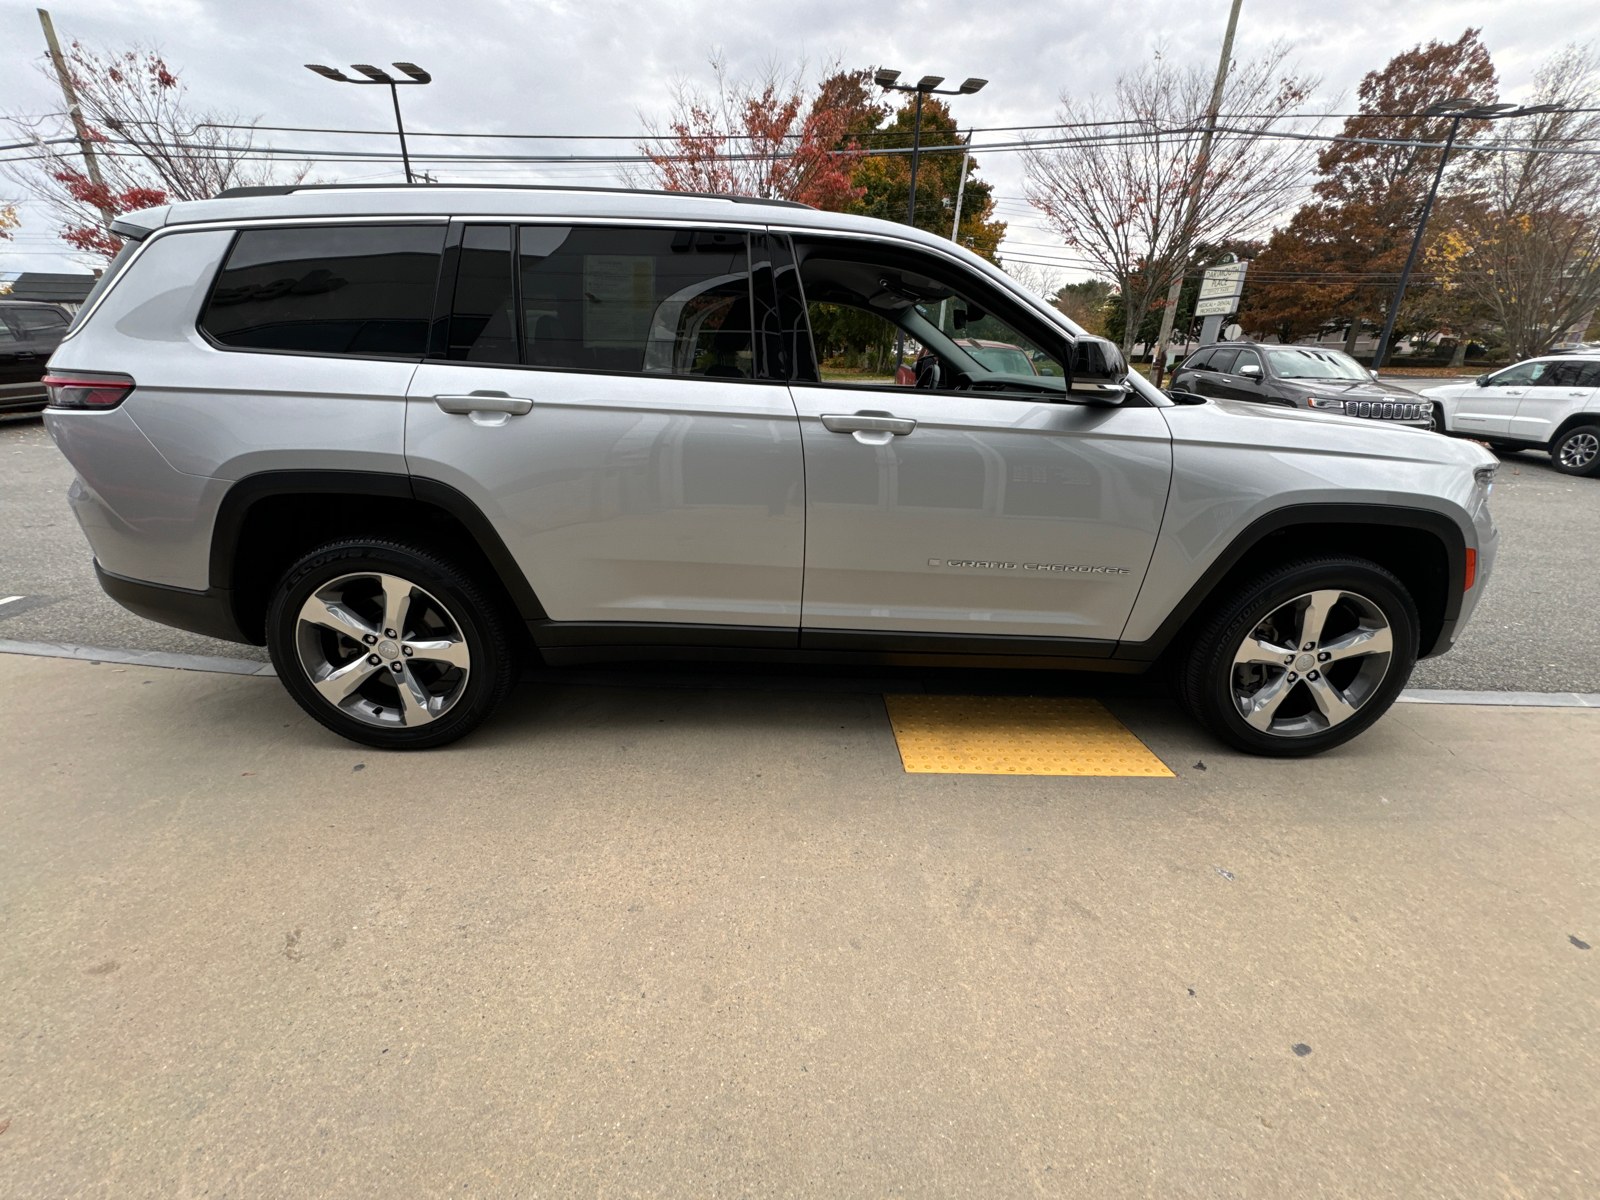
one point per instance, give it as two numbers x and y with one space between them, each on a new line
151 146
1116 185
1532 254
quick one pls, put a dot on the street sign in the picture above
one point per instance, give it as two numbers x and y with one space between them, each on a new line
1220 288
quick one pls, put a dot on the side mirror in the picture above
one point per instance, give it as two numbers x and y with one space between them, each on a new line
1097 373
1481 381
1250 371
1373 373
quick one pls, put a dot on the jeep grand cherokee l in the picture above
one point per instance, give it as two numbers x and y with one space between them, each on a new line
404 436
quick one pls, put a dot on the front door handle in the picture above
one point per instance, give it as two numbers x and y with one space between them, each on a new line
868 422
485 402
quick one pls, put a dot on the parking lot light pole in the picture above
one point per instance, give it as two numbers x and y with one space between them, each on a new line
928 85
376 76
1459 109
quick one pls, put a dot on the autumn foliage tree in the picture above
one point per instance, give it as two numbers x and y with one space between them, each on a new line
1338 256
150 146
772 137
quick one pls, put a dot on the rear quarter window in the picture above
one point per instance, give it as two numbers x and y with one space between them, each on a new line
359 290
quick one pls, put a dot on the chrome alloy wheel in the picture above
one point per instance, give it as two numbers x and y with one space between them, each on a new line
382 650
1579 451
1311 663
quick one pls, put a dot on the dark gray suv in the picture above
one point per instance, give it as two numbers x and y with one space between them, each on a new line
29 335
1298 377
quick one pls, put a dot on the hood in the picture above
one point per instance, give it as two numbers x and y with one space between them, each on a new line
1273 427
1350 387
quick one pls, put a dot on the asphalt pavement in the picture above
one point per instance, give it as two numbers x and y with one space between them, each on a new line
1536 630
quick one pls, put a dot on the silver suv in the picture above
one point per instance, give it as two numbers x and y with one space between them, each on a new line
409 437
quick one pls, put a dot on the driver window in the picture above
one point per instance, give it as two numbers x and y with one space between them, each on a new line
1520 375
1247 358
884 324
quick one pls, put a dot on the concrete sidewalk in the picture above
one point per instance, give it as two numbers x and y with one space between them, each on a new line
694 943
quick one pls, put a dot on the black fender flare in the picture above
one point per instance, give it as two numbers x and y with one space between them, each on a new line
1386 515
245 493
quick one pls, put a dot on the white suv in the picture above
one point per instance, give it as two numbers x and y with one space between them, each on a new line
1548 403
408 438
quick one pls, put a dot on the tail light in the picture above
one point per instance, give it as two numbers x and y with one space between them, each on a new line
87 390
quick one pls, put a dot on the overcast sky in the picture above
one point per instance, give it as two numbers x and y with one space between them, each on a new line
591 66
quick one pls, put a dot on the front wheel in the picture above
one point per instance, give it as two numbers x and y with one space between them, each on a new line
1577 451
1303 658
389 645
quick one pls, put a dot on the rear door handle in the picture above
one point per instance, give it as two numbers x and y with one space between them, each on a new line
867 422
485 402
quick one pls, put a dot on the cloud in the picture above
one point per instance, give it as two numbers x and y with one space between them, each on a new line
562 67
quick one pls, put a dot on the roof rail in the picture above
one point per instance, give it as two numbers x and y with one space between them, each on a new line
239 193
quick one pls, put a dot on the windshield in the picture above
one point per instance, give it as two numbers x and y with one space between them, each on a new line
1307 363
1003 360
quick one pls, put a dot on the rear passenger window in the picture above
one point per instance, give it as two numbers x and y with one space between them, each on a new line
363 290
1222 360
642 301
44 320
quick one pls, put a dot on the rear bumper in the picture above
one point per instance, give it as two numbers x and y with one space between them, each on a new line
209 612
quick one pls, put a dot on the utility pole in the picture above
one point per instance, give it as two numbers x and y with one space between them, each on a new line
91 164
1158 365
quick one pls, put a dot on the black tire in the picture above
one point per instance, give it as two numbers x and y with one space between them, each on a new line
1577 451
1207 676
1437 423
454 609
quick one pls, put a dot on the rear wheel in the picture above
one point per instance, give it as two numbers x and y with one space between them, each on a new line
1302 658
1577 451
388 644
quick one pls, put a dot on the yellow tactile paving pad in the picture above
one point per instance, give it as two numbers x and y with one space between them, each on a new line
1015 735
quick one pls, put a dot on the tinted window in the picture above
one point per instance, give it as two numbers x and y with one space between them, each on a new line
1590 376
1247 358
1565 374
354 289
646 301
8 335
39 320
483 314
1198 362
1222 360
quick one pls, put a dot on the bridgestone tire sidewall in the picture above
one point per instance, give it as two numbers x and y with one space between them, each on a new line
1208 690
469 605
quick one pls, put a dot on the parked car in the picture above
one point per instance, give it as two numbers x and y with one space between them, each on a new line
1309 377
407 437
29 334
1549 403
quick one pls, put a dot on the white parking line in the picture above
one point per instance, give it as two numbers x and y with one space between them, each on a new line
1509 699
142 658
9 599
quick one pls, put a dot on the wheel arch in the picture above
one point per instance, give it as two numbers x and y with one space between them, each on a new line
266 521
1425 550
1590 417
